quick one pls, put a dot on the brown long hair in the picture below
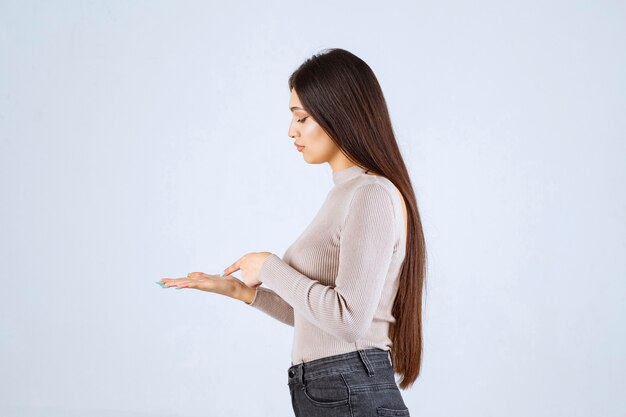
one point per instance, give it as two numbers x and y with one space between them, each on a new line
344 97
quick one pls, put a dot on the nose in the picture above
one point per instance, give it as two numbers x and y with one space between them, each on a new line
291 132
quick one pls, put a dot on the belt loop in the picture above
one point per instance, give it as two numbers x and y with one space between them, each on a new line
390 360
302 375
366 362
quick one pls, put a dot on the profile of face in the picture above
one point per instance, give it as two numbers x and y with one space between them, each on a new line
318 146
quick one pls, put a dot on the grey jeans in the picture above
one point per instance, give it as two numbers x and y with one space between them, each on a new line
355 384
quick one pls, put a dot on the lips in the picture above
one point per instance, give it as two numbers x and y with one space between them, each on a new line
299 147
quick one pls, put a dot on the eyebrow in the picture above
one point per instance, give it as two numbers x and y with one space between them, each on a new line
295 108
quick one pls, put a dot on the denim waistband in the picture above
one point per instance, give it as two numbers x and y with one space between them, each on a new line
345 362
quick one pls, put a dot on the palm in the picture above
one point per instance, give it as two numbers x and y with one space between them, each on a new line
205 282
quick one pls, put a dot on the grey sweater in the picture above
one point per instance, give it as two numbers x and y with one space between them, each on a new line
337 282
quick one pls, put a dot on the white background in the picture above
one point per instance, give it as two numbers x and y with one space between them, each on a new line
141 140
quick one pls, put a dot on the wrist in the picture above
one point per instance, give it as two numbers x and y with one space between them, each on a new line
251 294
245 294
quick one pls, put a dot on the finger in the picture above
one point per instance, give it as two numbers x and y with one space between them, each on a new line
230 270
167 282
234 267
188 283
174 282
163 282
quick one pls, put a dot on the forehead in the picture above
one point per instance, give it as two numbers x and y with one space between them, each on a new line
294 100
294 103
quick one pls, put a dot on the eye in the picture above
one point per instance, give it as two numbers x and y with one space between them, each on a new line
302 120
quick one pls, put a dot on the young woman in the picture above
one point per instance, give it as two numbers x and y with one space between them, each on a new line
351 284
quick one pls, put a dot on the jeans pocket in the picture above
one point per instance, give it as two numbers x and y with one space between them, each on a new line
328 390
390 412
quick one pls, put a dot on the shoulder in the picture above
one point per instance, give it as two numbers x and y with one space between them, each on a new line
372 193
371 213
374 186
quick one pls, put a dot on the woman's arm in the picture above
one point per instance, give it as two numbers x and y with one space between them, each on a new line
268 302
367 240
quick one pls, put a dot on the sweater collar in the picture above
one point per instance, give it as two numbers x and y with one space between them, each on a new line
345 174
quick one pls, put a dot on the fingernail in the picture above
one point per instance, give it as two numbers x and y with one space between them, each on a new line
162 284
222 274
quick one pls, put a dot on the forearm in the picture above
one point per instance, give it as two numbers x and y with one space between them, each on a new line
244 293
268 302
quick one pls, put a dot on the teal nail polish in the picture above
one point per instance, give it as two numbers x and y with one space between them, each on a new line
222 274
162 284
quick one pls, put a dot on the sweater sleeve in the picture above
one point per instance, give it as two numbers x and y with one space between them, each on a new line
271 304
366 247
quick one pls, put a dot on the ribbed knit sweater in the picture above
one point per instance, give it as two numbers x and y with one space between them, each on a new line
337 282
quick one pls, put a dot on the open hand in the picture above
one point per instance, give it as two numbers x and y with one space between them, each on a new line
225 285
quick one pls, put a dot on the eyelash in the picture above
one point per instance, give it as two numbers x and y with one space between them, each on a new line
302 120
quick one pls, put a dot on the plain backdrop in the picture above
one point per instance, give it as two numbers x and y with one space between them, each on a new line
147 139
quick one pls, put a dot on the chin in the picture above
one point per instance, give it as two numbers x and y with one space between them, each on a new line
309 159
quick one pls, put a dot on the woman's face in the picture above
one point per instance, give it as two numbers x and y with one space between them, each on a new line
318 146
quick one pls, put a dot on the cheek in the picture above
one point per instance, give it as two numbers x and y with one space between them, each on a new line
311 131
318 146
315 138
